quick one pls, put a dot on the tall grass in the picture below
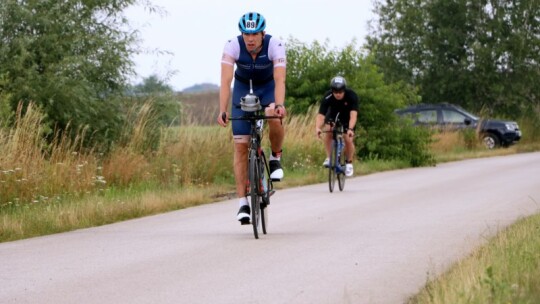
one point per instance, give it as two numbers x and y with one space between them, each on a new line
32 171
40 181
506 270
51 178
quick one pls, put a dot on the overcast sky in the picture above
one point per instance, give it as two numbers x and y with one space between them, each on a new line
191 34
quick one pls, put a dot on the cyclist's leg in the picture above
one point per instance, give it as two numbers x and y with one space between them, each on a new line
240 167
349 146
240 174
241 131
276 130
328 141
349 154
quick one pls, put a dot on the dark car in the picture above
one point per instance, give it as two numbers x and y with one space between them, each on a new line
447 116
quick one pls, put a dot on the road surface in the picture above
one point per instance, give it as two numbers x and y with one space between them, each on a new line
375 242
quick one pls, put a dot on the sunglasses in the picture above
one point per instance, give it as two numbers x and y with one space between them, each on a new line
337 91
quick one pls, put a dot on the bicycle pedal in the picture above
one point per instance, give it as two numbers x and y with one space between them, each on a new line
276 179
245 221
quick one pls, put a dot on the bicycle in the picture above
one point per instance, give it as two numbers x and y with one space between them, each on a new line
336 167
259 184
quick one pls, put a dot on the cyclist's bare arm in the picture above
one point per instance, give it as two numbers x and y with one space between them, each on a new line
279 94
227 72
352 122
319 124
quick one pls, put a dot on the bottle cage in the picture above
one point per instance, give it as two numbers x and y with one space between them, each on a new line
250 103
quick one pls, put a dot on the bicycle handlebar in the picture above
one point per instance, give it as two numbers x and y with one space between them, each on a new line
253 117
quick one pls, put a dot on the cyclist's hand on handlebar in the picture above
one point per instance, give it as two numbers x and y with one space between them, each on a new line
280 111
350 132
318 131
223 118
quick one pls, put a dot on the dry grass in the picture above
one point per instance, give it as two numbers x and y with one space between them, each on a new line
31 171
61 180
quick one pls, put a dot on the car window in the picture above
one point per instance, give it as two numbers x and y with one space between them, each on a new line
453 117
427 116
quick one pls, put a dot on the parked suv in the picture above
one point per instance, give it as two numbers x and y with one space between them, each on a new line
447 116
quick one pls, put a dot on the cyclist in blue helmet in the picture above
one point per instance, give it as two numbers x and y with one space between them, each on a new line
252 23
261 60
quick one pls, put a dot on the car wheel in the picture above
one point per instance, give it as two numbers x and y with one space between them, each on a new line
491 141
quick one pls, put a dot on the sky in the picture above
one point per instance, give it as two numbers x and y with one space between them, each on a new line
182 43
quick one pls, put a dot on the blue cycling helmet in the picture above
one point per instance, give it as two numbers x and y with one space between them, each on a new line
252 23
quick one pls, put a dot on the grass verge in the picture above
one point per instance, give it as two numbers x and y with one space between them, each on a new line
505 270
113 205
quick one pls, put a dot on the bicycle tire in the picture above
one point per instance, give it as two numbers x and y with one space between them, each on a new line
341 172
265 199
254 191
332 166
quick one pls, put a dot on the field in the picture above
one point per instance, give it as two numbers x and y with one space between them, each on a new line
50 188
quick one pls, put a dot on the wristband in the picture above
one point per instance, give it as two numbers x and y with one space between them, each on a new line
279 105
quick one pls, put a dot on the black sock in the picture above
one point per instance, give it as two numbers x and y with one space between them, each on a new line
277 154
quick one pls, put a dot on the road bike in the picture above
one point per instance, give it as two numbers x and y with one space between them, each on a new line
336 167
259 184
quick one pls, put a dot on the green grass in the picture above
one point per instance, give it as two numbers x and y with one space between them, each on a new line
505 270
19 221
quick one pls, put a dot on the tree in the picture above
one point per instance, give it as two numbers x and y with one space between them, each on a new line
70 57
480 54
381 135
162 98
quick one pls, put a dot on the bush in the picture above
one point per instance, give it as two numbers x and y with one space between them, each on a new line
380 134
400 141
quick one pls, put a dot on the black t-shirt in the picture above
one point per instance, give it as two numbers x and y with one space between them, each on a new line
330 106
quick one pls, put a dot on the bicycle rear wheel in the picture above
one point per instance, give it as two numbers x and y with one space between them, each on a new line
332 166
254 191
341 171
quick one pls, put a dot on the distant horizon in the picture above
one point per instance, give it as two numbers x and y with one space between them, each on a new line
204 86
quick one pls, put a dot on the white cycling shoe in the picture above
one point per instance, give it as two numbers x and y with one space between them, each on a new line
276 170
326 163
349 170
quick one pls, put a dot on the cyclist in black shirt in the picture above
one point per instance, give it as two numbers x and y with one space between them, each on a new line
344 101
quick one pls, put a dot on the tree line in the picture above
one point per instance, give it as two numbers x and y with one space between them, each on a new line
72 59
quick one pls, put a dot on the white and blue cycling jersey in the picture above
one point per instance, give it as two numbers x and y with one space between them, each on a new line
259 70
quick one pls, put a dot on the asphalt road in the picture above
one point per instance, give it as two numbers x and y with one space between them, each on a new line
376 242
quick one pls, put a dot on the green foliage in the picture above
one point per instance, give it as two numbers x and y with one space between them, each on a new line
481 55
162 97
308 74
470 138
309 70
6 114
399 141
70 57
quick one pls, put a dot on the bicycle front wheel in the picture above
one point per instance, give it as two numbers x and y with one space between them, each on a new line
265 198
254 177
332 167
341 171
